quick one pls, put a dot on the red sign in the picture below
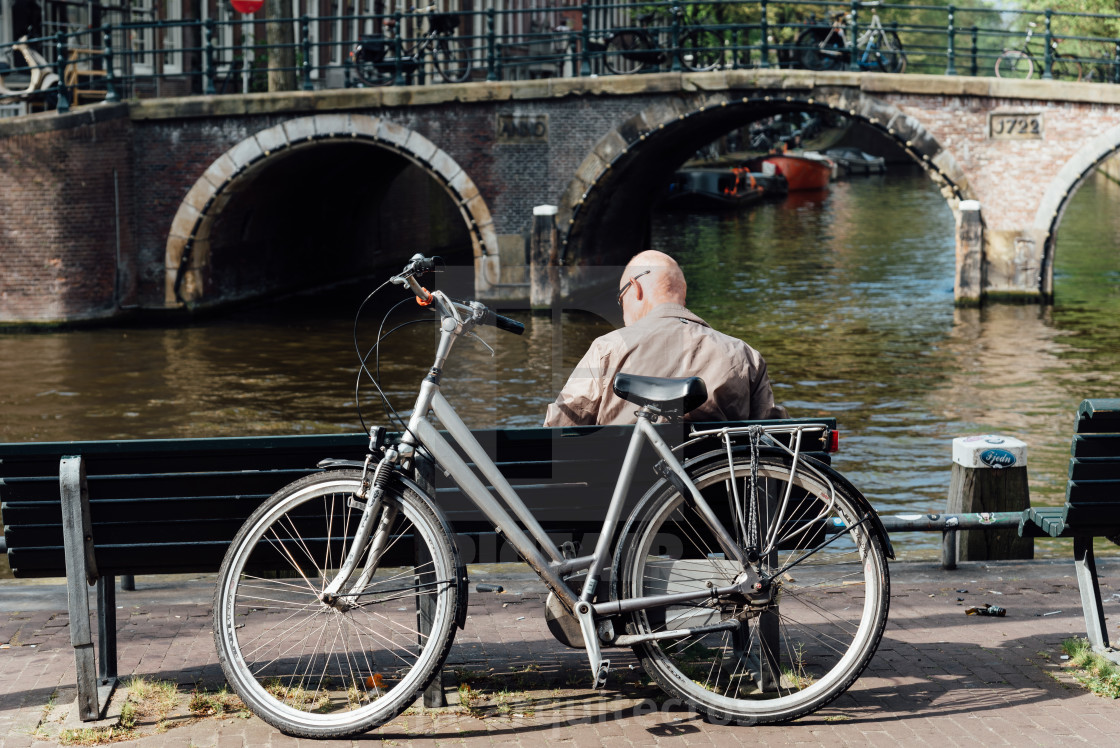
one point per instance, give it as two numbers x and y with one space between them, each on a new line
247 6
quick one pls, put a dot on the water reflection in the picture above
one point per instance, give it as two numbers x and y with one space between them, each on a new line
848 293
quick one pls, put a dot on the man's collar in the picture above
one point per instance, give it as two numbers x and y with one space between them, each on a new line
662 311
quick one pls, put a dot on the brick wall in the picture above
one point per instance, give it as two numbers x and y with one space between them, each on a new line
59 211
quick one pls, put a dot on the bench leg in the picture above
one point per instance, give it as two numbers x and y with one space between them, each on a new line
106 638
1086 566
79 570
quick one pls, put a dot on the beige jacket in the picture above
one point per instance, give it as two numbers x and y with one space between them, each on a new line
670 341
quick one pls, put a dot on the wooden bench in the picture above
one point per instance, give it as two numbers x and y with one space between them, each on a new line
91 511
1092 508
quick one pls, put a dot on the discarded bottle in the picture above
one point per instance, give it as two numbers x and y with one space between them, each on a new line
986 610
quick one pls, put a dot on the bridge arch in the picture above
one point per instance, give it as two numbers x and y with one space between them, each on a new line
188 247
605 222
1080 166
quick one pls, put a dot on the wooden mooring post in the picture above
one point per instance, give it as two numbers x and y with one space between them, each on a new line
544 275
989 478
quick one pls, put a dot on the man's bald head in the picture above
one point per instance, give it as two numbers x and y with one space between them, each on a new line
659 280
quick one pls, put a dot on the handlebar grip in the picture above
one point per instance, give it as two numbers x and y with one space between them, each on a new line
503 323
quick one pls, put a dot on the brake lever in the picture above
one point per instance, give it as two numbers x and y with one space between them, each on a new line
486 345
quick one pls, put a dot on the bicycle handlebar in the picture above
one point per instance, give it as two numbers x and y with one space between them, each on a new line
475 312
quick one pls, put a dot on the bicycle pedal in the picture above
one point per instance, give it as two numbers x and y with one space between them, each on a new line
601 675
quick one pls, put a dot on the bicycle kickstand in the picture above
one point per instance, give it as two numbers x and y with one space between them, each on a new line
599 666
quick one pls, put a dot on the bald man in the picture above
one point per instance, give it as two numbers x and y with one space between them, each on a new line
663 339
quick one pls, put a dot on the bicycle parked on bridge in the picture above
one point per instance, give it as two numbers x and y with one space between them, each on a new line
826 47
646 47
751 579
1020 63
374 66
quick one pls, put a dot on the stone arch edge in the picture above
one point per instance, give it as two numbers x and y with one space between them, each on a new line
1055 200
187 247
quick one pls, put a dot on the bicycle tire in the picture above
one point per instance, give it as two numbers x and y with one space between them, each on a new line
317 671
453 59
1065 68
625 50
822 52
701 50
373 74
890 56
1014 64
825 617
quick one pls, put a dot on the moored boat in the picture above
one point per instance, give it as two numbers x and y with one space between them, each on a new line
713 189
855 161
802 171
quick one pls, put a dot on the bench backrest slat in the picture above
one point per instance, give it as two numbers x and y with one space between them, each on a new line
158 497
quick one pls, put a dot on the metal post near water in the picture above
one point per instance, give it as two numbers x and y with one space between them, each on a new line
990 477
544 273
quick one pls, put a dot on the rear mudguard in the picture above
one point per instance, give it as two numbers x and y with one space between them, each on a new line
701 461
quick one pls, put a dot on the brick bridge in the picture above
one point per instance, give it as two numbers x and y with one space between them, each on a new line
200 201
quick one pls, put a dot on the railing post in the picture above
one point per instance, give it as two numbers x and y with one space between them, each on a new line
764 42
853 36
951 51
1048 60
111 95
585 40
974 69
63 105
491 44
674 50
208 58
1116 62
305 45
398 48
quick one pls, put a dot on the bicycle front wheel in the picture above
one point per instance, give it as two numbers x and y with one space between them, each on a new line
890 56
1065 68
701 50
821 50
328 670
798 642
628 52
1014 64
453 59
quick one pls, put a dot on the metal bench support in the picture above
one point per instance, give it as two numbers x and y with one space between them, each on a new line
94 686
1086 566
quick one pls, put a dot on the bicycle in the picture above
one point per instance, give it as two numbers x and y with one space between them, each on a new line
1019 63
375 67
751 579
826 47
637 49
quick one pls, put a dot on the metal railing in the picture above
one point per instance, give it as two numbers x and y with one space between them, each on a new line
168 58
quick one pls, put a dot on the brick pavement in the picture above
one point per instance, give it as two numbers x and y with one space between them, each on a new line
941 678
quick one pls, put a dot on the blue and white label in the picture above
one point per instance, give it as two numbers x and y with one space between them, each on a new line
989 451
997 458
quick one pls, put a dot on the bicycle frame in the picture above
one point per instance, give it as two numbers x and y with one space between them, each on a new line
533 543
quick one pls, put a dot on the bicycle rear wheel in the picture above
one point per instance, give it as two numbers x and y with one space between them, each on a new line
1065 68
453 59
701 49
323 670
1014 64
628 52
788 649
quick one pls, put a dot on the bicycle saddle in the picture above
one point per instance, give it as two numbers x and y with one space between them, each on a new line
667 395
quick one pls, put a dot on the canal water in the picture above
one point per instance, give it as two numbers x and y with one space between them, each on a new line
848 293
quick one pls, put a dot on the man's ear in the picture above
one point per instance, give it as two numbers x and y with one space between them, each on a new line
639 294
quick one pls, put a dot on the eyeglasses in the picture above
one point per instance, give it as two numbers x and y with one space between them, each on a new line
629 283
